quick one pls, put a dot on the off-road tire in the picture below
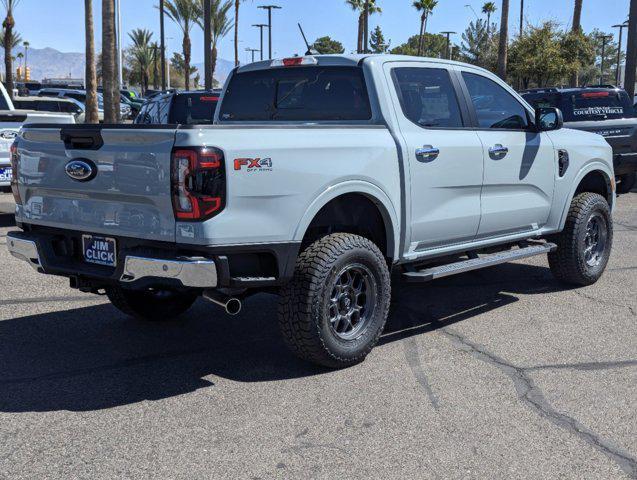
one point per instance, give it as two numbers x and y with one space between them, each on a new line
568 262
304 314
149 305
627 183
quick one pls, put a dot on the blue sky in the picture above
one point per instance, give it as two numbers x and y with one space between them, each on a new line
59 23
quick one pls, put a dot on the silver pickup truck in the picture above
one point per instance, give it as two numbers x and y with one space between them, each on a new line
319 176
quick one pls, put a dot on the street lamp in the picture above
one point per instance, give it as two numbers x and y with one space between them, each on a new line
474 12
619 51
252 50
448 34
604 38
269 8
261 26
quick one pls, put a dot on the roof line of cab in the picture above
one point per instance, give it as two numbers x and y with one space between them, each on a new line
344 60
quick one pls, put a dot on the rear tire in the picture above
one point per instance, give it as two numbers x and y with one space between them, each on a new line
151 305
584 246
627 183
334 310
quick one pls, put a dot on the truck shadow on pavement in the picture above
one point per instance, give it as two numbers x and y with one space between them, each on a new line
92 358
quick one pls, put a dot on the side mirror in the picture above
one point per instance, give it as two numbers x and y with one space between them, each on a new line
548 118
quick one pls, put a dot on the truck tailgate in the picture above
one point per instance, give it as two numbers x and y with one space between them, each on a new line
129 194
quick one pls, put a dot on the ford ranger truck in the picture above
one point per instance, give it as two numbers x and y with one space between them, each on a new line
319 176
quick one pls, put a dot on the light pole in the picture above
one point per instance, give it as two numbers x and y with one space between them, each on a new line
473 10
261 26
619 51
207 44
521 17
163 45
604 38
448 34
269 8
252 51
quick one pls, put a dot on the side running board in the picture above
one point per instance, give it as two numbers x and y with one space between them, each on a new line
441 271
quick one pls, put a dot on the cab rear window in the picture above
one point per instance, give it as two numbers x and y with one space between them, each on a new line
189 109
599 105
297 94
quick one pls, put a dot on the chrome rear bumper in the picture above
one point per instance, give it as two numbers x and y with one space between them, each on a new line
196 272
24 249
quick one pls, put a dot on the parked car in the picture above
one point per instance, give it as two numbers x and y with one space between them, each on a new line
603 109
180 108
135 104
49 104
11 120
80 96
319 175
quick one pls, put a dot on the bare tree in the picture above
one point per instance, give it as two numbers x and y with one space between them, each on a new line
91 74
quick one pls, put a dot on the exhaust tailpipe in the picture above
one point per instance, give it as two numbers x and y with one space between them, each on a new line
231 305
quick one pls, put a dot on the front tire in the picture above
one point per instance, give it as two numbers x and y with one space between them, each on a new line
584 246
627 183
152 305
334 310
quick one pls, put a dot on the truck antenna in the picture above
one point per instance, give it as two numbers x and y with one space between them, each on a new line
309 49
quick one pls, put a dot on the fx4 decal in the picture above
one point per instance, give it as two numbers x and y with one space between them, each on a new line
253 164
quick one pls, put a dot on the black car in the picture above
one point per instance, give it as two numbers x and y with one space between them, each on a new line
602 109
180 108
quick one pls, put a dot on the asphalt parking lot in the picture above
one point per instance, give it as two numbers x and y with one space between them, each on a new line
500 373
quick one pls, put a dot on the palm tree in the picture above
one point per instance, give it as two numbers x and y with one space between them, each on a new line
488 8
110 80
185 14
220 26
426 7
155 48
8 24
91 114
504 40
236 32
143 54
14 41
577 28
359 6
26 46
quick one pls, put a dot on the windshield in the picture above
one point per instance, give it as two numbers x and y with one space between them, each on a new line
297 94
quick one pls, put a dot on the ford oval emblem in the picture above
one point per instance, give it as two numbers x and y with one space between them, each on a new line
81 170
8 134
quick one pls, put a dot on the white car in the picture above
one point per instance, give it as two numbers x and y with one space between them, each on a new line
11 120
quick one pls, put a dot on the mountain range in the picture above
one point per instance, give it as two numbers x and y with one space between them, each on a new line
51 63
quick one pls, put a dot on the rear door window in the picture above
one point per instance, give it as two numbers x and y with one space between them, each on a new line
428 97
297 94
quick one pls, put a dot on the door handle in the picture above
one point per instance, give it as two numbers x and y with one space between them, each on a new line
498 150
427 153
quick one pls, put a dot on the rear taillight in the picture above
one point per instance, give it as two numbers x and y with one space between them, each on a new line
14 176
198 183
